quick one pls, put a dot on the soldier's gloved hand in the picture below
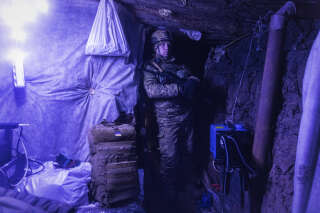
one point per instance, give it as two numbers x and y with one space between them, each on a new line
164 78
189 88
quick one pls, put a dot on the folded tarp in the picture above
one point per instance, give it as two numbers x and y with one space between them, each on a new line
107 36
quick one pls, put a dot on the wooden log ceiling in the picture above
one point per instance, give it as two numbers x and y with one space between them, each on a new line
217 20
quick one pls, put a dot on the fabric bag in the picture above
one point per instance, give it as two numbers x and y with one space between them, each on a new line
107 37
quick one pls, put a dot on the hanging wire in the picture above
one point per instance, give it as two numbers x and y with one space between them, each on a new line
38 170
25 155
258 30
242 158
27 164
27 170
241 79
19 139
215 168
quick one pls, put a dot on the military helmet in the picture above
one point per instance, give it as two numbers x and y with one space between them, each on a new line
160 35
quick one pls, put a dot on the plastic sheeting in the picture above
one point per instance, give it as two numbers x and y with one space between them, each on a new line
107 37
63 185
67 92
307 165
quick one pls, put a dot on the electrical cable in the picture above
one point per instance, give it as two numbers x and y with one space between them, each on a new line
241 156
215 168
3 173
226 171
258 26
241 79
226 150
26 158
8 164
40 165
236 40
20 135
224 142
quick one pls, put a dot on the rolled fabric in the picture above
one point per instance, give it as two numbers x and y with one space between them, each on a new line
309 134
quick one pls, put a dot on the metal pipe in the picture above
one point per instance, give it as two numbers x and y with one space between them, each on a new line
270 84
270 89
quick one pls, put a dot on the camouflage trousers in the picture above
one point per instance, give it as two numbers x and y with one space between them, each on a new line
176 163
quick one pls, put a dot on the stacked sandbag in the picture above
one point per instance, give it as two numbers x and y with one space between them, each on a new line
114 164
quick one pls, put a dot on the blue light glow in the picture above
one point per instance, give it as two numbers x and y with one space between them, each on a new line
42 6
18 34
17 13
16 54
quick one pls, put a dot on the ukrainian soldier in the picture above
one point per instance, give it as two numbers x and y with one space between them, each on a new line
171 89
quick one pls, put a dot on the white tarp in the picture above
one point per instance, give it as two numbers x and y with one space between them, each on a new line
64 185
67 92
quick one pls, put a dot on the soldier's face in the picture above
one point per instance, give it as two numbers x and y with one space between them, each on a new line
163 49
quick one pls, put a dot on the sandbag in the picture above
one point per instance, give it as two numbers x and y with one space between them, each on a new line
102 179
114 164
112 132
116 198
112 152
117 182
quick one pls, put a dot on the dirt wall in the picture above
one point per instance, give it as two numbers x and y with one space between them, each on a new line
233 84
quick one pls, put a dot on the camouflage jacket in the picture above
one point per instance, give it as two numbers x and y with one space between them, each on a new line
169 106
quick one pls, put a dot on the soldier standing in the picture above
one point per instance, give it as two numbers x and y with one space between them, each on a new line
171 88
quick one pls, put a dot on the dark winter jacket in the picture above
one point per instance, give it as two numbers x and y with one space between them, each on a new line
162 87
